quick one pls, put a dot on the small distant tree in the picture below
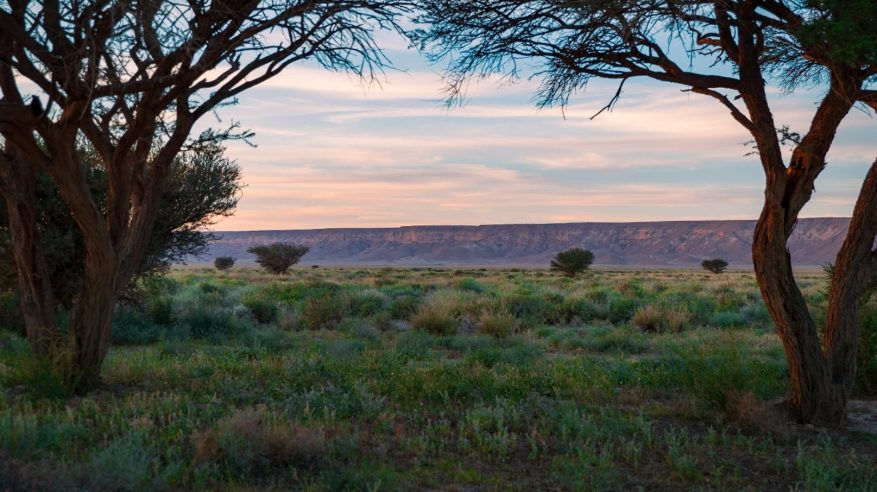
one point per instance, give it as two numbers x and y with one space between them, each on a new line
572 261
276 258
716 265
223 263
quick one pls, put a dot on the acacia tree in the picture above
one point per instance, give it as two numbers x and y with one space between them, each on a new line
572 261
726 50
202 185
133 78
277 258
716 265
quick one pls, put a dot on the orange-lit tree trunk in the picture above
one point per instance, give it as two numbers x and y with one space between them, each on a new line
821 371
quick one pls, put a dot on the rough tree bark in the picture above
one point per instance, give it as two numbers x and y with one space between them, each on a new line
18 188
820 390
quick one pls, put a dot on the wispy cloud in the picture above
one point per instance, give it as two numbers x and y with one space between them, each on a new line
333 152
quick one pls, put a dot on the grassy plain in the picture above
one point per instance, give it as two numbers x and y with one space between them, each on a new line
436 379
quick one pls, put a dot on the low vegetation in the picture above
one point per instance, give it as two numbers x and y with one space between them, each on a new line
390 379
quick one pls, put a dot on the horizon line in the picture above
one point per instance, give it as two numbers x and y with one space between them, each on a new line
413 226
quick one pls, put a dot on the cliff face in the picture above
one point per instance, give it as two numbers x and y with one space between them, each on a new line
685 243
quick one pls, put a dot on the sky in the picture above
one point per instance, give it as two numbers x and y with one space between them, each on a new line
331 151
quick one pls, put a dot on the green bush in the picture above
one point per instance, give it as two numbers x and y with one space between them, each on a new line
323 312
133 327
728 319
866 363
263 309
404 306
161 310
36 376
469 284
621 309
578 309
210 322
10 312
368 302
497 324
438 315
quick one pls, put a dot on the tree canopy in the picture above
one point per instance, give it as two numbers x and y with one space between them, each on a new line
572 261
716 265
277 258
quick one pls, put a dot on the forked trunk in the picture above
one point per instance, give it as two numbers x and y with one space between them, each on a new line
822 371
815 397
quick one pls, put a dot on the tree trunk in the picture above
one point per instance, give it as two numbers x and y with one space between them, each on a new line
822 372
814 398
18 187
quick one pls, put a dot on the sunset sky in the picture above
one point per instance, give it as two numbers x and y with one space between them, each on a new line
333 152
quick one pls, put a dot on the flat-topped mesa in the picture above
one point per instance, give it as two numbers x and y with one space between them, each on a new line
815 242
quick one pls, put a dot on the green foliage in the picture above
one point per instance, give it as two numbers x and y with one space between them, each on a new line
716 265
277 258
572 261
223 263
844 28
866 355
322 312
203 184
10 311
263 308
131 326
161 310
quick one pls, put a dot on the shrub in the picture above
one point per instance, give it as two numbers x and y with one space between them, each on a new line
716 265
322 312
10 313
161 310
572 261
211 322
264 310
578 310
131 327
728 319
223 263
866 364
248 441
276 258
438 315
621 309
368 302
497 324
404 306
661 318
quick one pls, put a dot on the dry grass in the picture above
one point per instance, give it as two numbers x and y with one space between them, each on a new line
661 318
499 324
252 435
747 413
